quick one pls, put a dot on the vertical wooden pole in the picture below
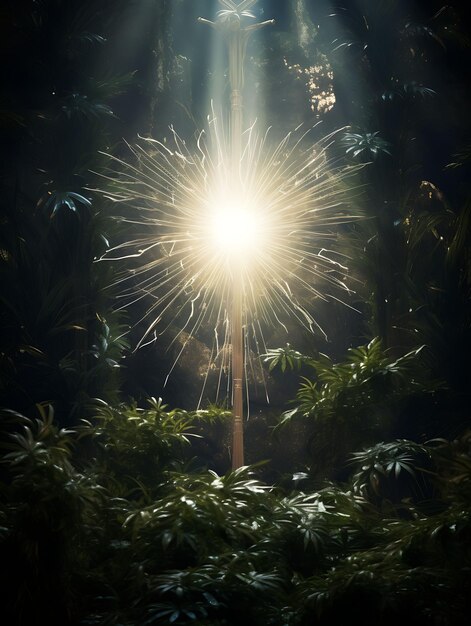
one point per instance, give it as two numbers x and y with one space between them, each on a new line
236 37
237 372
236 59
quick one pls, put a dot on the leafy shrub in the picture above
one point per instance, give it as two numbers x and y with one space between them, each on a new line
98 546
350 404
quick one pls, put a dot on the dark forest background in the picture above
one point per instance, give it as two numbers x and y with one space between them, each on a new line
119 509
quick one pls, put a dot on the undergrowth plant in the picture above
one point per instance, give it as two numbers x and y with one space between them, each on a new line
90 536
351 404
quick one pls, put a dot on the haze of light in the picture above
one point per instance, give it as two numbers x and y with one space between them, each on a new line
198 226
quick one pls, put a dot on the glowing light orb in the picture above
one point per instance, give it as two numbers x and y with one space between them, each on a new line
236 231
192 226
233 228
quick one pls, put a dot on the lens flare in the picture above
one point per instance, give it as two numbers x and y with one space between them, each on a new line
197 227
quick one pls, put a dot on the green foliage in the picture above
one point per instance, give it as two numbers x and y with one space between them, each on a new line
367 378
367 146
409 89
393 471
58 200
136 445
201 516
50 512
461 157
216 549
63 350
350 403
354 400
285 358
454 468
53 306
414 295
39 442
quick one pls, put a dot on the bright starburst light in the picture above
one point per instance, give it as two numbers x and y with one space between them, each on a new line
235 229
198 227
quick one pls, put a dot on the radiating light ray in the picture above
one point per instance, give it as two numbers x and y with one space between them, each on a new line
173 197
